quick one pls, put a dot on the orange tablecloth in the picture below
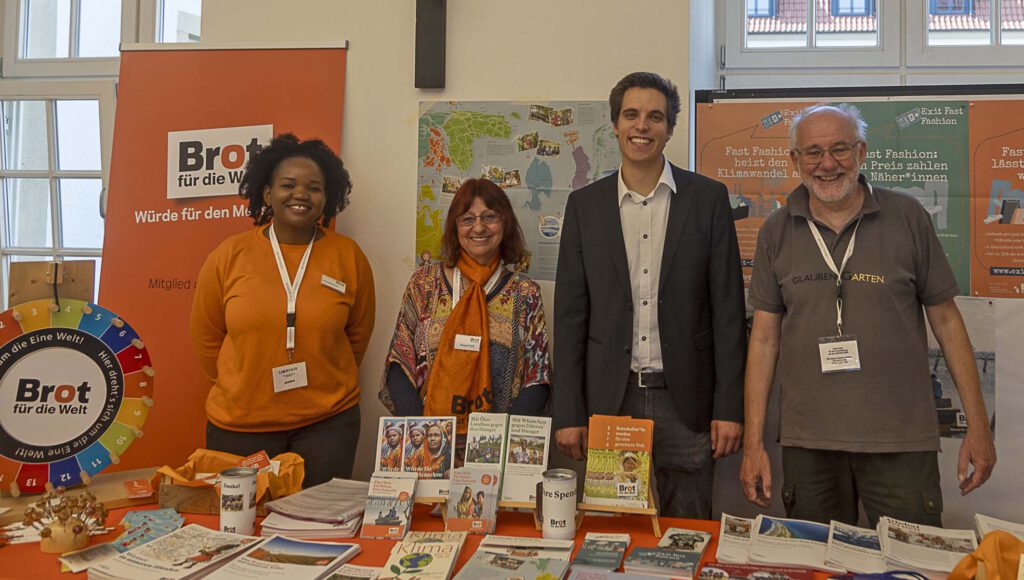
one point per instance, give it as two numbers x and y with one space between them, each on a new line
26 561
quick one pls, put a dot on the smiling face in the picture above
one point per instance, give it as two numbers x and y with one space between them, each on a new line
642 127
481 241
830 182
296 195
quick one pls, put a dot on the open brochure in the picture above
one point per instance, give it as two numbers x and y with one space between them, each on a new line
335 501
854 549
789 543
489 566
281 557
734 540
180 554
986 524
421 445
925 548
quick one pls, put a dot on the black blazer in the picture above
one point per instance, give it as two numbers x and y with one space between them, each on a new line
701 315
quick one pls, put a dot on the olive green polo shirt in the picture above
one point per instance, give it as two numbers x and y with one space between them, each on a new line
897 267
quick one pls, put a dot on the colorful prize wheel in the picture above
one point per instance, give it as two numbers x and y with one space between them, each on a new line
76 385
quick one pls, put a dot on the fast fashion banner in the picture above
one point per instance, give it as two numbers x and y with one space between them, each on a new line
187 122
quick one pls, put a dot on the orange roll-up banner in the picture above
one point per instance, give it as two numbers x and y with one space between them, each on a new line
187 121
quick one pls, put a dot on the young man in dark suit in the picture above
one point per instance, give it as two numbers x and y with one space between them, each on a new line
649 314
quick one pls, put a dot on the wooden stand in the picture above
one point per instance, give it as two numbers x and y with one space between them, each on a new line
435 501
521 505
651 512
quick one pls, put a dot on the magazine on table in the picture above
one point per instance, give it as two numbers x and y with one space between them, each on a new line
423 537
725 571
734 539
519 546
276 524
425 560
489 566
421 445
923 548
87 557
473 500
854 549
987 524
388 511
789 543
618 461
683 540
485 440
353 572
529 442
601 551
280 557
180 554
337 500
662 562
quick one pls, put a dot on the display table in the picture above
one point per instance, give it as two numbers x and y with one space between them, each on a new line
26 561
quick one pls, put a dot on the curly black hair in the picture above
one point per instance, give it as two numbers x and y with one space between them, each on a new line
259 172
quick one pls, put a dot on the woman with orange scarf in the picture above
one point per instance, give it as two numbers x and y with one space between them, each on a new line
433 456
471 335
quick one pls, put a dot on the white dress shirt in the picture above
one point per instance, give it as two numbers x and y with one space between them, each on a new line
644 221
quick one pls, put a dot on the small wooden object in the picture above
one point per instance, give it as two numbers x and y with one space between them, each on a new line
35 280
651 512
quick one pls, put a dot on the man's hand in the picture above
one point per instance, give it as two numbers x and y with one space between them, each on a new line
725 438
755 473
572 441
979 451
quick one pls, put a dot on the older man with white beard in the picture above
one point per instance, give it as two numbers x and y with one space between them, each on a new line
843 279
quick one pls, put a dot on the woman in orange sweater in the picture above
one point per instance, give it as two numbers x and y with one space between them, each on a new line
283 313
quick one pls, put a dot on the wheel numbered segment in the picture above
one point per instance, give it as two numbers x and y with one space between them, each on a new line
76 386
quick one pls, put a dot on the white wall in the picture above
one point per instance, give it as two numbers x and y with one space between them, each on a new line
496 50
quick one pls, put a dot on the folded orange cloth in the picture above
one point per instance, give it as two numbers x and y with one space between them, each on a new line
287 481
998 554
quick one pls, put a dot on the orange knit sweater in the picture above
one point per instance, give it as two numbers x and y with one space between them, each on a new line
238 330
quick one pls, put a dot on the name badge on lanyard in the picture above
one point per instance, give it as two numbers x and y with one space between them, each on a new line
290 376
838 353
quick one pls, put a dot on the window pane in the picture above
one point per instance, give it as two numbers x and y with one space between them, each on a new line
48 28
180 20
80 223
1012 16
24 135
959 22
846 23
28 213
776 23
99 28
78 135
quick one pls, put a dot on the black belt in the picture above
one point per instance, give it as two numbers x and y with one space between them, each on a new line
647 379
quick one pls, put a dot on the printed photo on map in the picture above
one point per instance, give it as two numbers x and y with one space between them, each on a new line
511 179
527 141
561 117
548 148
493 173
450 184
540 113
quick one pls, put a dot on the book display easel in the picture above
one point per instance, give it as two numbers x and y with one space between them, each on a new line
651 512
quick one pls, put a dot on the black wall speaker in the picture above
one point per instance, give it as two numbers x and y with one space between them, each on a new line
430 40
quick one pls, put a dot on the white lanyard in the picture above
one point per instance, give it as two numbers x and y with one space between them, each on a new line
291 288
832 266
457 283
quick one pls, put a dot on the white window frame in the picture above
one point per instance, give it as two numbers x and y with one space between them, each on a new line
986 56
104 92
737 55
16 67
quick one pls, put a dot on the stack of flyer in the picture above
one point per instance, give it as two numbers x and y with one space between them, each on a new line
188 551
333 509
424 556
926 549
734 540
523 547
986 524
484 565
678 554
421 445
854 549
388 513
723 571
473 500
789 543
281 557
618 461
601 552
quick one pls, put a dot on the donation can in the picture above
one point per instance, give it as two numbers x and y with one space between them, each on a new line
556 503
238 500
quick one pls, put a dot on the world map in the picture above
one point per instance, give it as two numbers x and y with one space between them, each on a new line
538 152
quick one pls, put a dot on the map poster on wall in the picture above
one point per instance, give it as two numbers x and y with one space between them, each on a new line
538 152
997 208
916 147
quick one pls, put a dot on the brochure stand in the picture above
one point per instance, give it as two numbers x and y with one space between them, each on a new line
651 512
521 505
